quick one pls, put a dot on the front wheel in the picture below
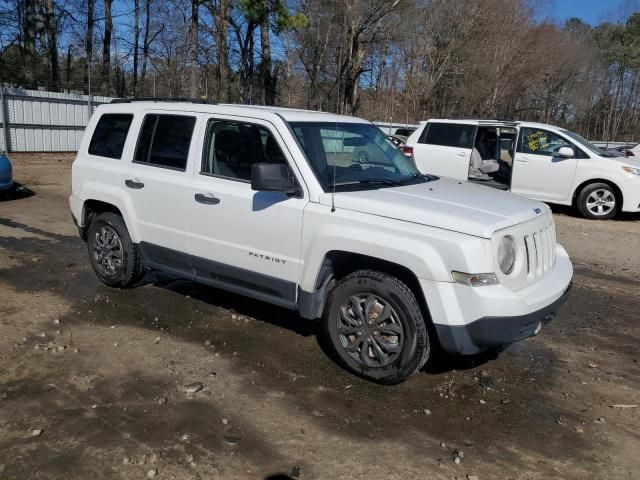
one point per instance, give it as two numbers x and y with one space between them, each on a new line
598 201
375 326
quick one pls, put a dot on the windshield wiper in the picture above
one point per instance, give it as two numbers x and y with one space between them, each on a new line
383 181
415 176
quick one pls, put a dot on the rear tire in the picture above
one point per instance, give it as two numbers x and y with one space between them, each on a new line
113 255
598 201
375 326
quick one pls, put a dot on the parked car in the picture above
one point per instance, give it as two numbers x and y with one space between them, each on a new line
401 131
397 141
320 214
535 160
6 174
618 151
632 150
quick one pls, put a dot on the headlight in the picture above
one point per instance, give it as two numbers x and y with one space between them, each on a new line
507 254
632 171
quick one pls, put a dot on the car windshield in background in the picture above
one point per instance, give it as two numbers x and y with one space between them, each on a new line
587 144
354 156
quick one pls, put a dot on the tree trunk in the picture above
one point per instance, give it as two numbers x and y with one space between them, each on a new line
136 45
51 27
145 42
68 68
30 67
193 44
223 71
106 48
88 42
268 82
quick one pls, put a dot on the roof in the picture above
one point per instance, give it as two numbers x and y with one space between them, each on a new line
494 122
257 111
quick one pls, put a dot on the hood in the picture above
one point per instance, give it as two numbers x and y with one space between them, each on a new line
457 206
628 161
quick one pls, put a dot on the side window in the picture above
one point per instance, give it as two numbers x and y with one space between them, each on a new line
449 135
164 141
535 141
110 134
231 149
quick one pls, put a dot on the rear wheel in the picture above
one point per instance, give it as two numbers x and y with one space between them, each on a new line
598 201
113 255
375 326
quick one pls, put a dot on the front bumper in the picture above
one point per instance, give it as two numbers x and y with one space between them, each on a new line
490 332
469 320
631 194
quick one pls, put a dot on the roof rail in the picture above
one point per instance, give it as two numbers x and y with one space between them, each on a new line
484 119
162 99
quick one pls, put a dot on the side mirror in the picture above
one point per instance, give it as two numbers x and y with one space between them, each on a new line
272 177
566 152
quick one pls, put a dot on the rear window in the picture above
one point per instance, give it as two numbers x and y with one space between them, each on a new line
110 134
164 141
449 135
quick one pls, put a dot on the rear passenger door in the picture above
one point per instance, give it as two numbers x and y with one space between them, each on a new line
241 240
445 149
156 185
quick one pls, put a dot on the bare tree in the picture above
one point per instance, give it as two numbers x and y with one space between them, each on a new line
106 47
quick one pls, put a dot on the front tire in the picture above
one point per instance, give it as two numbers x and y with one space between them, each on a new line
598 201
114 257
375 327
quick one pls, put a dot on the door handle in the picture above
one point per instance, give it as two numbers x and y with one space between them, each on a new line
135 184
462 154
522 160
206 198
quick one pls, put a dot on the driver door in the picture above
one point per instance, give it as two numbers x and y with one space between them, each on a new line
538 171
244 241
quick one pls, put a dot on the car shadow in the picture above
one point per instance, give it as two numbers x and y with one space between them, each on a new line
17 192
242 305
573 212
440 362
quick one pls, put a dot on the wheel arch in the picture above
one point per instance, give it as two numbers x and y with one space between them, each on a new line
337 264
612 184
92 207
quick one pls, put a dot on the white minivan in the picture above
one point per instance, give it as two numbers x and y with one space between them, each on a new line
535 160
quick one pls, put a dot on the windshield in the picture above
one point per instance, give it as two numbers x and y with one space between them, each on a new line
585 143
354 155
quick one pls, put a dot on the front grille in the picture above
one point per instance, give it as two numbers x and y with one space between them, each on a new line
540 247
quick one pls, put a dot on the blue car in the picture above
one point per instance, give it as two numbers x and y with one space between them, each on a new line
6 173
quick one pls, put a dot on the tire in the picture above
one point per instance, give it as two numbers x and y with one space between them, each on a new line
598 201
386 359
113 255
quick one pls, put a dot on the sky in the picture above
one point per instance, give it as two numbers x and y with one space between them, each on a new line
591 11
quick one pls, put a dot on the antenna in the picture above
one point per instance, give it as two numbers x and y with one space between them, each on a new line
335 160
333 184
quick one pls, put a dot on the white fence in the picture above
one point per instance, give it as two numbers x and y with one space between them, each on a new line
35 121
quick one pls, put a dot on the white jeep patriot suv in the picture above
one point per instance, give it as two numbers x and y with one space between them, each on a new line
321 214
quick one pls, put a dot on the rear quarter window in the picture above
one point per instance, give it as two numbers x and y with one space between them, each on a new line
110 135
449 135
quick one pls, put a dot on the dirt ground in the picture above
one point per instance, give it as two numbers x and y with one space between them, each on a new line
91 378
